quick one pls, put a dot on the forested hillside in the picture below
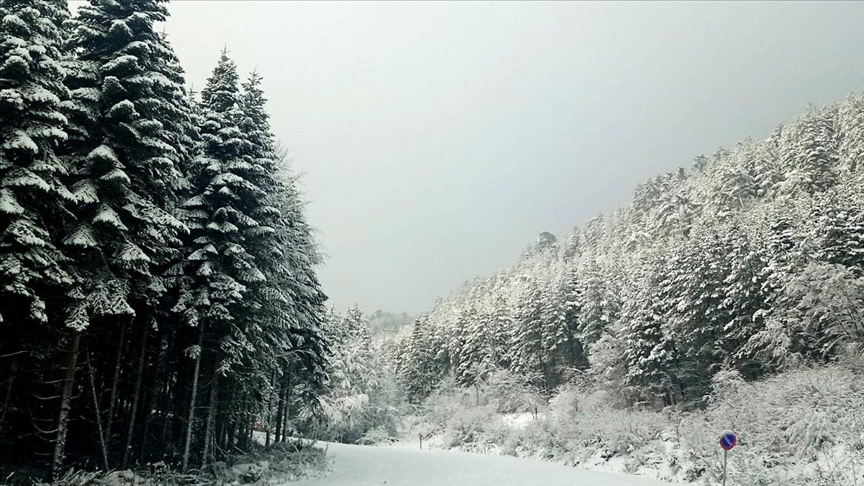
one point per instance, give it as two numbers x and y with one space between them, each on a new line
751 260
157 283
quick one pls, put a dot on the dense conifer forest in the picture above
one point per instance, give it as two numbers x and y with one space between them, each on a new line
157 283
750 260
726 295
159 302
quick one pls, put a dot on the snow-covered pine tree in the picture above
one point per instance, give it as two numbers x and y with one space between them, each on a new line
34 199
128 114
746 296
599 306
217 269
562 349
850 127
292 271
649 354
36 277
130 137
810 153
690 307
526 336
839 228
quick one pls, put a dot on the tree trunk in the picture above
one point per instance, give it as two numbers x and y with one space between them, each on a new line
139 374
65 406
154 395
114 382
191 421
168 403
287 413
211 420
12 369
251 436
280 410
245 424
269 409
98 413
170 396
221 428
232 431
239 419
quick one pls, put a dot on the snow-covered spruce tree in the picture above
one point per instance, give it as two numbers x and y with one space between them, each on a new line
291 301
810 153
129 138
289 304
36 277
130 109
217 268
418 371
850 125
33 194
526 336
563 348
839 228
599 307
248 279
649 353
746 295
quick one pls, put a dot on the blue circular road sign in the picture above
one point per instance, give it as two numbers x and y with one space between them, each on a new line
728 440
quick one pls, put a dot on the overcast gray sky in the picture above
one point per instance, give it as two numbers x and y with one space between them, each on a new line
439 139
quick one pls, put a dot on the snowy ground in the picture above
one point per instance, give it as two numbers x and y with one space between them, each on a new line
397 466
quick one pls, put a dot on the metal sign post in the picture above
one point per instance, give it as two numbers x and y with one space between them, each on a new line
727 442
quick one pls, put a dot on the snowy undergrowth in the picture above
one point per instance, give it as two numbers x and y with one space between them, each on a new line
261 466
803 427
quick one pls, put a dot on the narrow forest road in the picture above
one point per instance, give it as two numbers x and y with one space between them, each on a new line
392 466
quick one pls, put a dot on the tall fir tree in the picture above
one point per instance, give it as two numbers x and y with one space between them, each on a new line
127 148
37 279
34 198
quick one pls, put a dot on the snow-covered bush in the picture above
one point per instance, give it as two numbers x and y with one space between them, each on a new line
363 394
511 393
801 427
463 417
378 435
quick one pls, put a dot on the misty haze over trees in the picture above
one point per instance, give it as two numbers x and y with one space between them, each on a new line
160 305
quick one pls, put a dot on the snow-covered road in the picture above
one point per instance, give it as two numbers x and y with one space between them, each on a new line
391 466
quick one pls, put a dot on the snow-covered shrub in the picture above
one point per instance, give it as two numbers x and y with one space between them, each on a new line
363 393
801 427
585 418
462 417
512 393
377 435
565 403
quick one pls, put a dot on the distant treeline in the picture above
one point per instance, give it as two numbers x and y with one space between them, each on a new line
751 260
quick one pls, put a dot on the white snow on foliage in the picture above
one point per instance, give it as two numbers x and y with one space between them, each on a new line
8 203
21 141
25 178
125 61
38 94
